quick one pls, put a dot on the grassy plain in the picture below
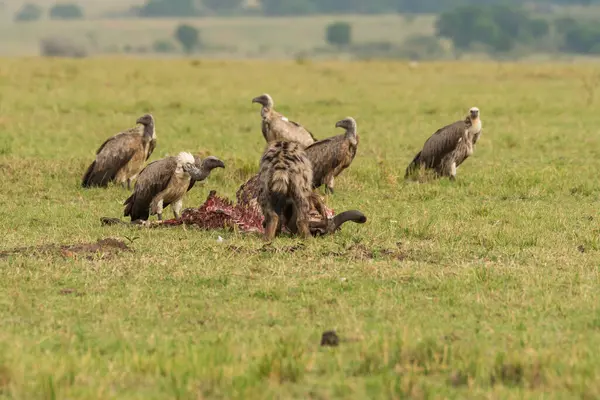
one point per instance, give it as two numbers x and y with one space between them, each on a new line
485 288
223 37
247 37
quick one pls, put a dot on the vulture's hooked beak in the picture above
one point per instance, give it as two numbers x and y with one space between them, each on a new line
339 124
474 113
219 164
256 100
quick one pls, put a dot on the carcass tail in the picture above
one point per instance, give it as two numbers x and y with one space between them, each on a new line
351 215
413 166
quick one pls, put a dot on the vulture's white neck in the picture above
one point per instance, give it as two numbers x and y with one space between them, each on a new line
476 126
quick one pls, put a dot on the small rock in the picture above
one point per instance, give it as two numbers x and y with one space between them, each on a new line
219 239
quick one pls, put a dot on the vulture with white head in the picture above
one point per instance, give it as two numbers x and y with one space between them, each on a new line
121 157
166 181
277 127
448 147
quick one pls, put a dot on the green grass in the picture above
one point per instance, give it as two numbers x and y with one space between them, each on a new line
477 288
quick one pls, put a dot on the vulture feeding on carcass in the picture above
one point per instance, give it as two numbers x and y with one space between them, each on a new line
285 176
276 127
165 182
121 158
329 157
448 147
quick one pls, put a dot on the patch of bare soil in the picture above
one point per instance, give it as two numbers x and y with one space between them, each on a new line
105 248
362 252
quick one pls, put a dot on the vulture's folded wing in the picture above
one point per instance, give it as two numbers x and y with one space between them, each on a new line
110 158
152 180
442 142
297 125
324 156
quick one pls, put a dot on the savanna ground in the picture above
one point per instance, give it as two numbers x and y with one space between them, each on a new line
484 288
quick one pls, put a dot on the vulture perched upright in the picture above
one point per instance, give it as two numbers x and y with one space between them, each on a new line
121 158
448 147
166 181
329 157
276 127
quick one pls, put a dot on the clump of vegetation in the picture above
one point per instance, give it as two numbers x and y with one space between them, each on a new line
168 8
339 34
581 37
223 6
66 11
188 37
164 46
29 12
499 27
61 47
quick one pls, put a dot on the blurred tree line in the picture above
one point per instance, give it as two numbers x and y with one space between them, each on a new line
502 28
181 8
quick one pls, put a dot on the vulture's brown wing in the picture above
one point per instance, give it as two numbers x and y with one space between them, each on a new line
324 156
264 129
152 180
304 129
112 155
442 142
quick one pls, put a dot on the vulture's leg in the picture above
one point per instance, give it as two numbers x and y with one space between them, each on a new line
128 183
176 206
453 171
329 182
159 209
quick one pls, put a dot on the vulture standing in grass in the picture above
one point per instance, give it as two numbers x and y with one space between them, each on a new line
276 127
448 147
121 158
329 157
165 182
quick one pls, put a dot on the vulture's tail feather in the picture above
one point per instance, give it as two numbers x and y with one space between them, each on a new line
86 182
128 206
101 178
413 166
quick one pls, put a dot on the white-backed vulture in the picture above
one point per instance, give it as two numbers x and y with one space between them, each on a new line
285 178
448 147
276 127
165 182
121 157
329 157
